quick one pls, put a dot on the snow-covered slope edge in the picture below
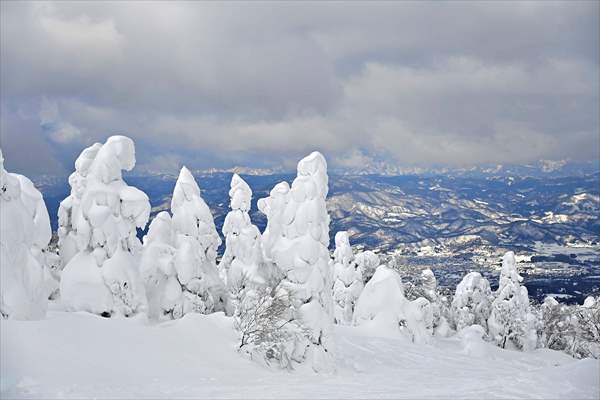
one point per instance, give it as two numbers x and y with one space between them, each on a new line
89 356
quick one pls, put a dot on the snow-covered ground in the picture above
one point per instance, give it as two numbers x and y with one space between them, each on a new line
79 355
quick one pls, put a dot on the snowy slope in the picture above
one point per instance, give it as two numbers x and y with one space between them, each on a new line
78 355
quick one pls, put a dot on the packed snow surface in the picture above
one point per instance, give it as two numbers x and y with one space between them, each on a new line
81 355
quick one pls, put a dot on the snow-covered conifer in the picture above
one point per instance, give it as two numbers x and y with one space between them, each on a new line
420 319
383 308
574 329
97 235
588 328
510 321
559 325
296 241
429 284
348 282
243 252
274 207
439 304
163 290
382 302
367 263
196 243
472 302
25 280
179 257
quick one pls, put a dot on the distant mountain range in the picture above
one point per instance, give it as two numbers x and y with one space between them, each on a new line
462 218
374 166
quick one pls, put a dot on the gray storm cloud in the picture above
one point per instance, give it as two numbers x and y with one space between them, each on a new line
260 83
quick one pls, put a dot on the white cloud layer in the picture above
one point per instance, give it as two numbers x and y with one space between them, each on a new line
256 83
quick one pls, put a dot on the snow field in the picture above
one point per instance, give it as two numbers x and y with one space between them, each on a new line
80 355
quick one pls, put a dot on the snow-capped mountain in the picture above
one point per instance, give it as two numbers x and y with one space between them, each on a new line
455 222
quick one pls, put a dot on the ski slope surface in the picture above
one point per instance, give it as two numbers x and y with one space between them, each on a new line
80 355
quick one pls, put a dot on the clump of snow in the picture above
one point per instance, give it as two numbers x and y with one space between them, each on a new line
348 283
97 236
25 279
296 241
511 321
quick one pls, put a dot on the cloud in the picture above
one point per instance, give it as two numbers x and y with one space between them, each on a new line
261 84
58 130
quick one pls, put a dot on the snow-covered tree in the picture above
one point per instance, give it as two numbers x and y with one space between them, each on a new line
588 328
420 320
367 263
383 308
179 258
438 302
163 290
296 241
348 282
574 329
274 207
429 284
472 302
382 302
510 321
243 251
261 320
559 324
196 242
25 280
97 235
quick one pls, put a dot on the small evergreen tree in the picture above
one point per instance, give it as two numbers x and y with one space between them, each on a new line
348 283
510 321
472 302
243 250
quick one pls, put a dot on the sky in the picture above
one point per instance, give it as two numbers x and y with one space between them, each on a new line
263 84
